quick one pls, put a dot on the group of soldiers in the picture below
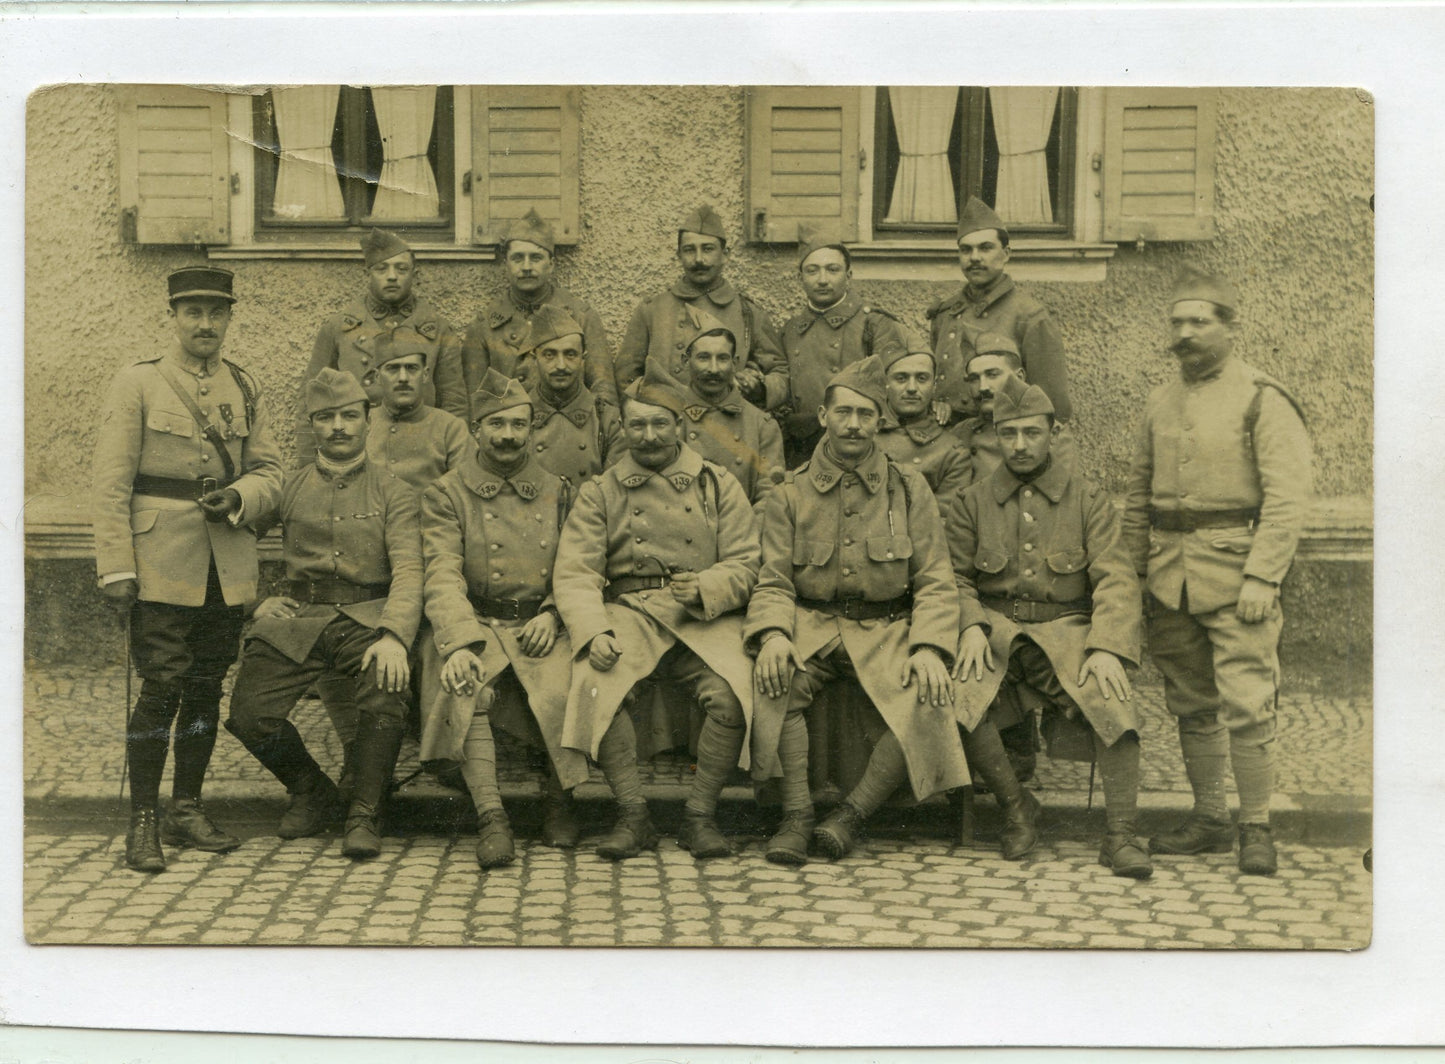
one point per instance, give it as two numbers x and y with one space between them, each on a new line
772 546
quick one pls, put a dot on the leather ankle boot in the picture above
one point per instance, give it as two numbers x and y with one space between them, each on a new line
838 834
699 835
1257 856
187 824
559 816
314 807
495 847
633 834
142 842
1019 834
1124 852
378 741
1020 808
789 845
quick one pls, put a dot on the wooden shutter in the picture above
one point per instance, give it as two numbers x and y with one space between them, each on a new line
802 160
524 156
1158 173
174 165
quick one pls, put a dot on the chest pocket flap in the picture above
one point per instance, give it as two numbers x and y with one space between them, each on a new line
170 423
1068 561
989 561
889 548
812 551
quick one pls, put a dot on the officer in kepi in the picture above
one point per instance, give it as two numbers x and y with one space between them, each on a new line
184 465
1217 497
352 605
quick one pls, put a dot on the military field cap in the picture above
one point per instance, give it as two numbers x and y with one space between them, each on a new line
992 343
399 343
704 220
706 323
817 236
549 323
380 245
912 345
332 388
656 388
532 228
866 378
979 215
1195 284
1018 400
200 282
495 393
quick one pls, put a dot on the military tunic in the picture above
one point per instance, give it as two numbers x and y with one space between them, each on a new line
985 452
577 440
737 436
418 446
485 536
930 451
146 429
872 534
497 338
1196 453
1054 540
347 341
632 521
819 343
665 324
959 319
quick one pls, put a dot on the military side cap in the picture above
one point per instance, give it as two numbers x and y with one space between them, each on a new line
817 236
979 215
656 387
913 345
332 388
497 392
1020 400
866 378
992 343
706 323
532 228
548 324
704 220
399 343
1195 284
380 245
200 282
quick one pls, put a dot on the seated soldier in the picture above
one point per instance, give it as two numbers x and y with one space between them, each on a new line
1050 602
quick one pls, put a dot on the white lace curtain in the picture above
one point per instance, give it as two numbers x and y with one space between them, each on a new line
923 190
1022 118
408 187
306 183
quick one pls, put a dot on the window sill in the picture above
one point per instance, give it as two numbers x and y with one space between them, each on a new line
348 252
937 260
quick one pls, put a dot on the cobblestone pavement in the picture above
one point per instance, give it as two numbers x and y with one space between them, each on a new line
428 891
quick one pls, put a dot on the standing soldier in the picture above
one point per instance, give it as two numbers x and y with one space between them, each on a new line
989 301
663 325
490 529
1218 493
656 564
184 464
910 434
353 602
855 585
576 433
347 341
720 424
499 337
835 330
1048 601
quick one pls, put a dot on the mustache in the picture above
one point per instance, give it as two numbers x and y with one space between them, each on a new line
1184 347
507 445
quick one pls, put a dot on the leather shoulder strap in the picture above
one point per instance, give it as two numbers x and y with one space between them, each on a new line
208 429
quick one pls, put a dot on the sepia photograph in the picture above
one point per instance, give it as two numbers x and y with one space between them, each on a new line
910 516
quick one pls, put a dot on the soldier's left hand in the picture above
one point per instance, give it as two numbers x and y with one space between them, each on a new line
935 686
393 669
221 504
1108 672
538 635
687 589
750 383
942 412
1256 599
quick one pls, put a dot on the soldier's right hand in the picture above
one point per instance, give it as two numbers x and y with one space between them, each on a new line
603 652
121 593
975 656
277 606
463 673
771 672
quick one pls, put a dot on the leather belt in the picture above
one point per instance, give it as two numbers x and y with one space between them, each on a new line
1190 520
505 609
1030 611
174 488
856 609
334 591
624 585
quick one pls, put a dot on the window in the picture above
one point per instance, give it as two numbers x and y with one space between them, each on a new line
350 157
934 147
